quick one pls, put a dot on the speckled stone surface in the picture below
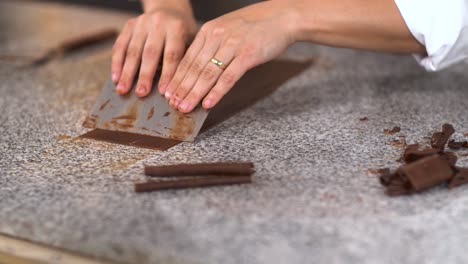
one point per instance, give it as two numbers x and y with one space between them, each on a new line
312 200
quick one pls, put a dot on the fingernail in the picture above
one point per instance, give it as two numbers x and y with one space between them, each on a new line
184 106
119 88
141 89
114 77
175 102
208 103
167 95
162 87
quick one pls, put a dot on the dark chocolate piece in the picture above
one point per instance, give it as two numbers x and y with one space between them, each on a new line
457 145
412 153
439 139
392 131
396 184
427 172
460 178
203 181
217 168
74 44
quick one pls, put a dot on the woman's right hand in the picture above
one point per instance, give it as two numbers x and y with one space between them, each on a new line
142 42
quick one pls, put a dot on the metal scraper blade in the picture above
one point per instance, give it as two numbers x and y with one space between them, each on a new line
151 115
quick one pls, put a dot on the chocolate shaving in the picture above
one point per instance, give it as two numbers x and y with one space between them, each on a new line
217 168
392 131
457 145
427 172
191 183
439 139
412 153
461 177
426 168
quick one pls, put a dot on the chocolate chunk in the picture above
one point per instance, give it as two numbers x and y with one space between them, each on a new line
392 131
450 157
457 145
396 184
439 139
427 172
412 153
461 177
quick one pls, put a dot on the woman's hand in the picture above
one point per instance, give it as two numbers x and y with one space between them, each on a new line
166 27
240 40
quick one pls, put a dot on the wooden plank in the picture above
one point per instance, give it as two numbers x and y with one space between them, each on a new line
19 251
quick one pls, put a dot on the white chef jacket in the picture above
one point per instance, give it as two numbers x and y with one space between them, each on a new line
441 26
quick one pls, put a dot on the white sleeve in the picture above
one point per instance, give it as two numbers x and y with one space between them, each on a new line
441 26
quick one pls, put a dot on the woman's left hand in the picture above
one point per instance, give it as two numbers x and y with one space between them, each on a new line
240 40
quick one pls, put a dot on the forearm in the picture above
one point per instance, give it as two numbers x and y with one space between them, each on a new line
181 5
362 24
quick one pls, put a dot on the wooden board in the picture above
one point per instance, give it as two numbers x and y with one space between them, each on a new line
19 251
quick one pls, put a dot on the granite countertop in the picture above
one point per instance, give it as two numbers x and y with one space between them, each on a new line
312 200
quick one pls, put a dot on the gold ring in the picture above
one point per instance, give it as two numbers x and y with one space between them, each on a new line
218 63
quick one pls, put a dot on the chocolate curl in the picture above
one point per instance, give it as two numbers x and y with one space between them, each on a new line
427 172
191 183
218 168
439 139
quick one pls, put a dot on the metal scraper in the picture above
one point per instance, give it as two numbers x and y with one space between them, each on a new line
151 115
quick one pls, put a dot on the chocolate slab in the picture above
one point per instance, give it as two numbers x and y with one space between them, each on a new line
194 169
255 85
427 172
203 181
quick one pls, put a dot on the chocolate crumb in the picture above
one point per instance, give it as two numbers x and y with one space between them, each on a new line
392 131
398 143
364 119
457 145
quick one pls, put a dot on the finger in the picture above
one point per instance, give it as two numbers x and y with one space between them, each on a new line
225 82
206 80
191 77
132 59
185 64
173 53
119 49
149 62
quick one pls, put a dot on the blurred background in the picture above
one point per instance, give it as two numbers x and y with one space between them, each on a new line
204 9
